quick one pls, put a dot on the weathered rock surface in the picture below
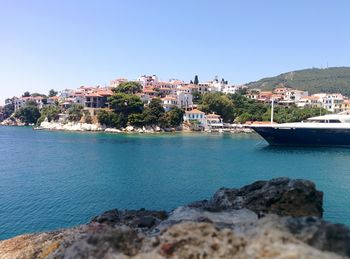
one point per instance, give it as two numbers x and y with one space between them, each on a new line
132 218
267 219
281 196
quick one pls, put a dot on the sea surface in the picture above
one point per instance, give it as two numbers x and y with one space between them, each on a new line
51 180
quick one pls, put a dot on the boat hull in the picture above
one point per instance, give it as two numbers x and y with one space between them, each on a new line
305 136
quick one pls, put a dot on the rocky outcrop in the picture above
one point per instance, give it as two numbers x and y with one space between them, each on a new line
280 218
141 219
71 126
78 126
12 121
281 196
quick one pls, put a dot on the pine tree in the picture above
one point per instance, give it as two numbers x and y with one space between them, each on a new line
196 80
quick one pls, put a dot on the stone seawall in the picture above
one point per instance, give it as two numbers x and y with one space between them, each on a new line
280 218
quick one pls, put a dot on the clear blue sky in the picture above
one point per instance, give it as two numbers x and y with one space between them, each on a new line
67 43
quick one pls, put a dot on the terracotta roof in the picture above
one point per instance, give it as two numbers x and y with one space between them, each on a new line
178 82
213 116
105 92
93 95
183 88
266 93
195 111
310 98
169 98
149 91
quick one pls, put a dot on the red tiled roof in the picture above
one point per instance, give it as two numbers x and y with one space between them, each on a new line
195 111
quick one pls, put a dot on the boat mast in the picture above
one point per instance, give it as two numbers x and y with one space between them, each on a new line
272 103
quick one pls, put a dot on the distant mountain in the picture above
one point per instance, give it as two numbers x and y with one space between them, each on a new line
314 80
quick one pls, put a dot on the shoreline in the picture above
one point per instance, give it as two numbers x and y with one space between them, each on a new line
96 128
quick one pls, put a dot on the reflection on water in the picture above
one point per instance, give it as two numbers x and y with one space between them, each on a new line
304 150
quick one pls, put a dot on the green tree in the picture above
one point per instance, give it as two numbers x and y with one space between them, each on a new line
52 93
128 88
38 94
136 119
173 118
124 105
246 109
29 114
8 110
196 81
50 112
26 94
153 112
218 103
108 118
75 112
196 97
87 117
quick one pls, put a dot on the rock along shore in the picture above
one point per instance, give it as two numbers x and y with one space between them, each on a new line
78 126
280 218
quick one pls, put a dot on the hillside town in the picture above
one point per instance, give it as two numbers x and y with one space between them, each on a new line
174 93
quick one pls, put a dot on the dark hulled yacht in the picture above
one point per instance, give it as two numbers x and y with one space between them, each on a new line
326 130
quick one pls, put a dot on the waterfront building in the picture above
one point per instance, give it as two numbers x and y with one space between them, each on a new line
195 115
213 121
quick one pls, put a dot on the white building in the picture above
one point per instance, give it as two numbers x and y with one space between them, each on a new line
169 102
294 95
309 102
18 102
231 89
195 115
204 88
331 102
145 80
184 100
213 121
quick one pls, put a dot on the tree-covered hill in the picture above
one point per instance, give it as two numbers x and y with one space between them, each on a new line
315 80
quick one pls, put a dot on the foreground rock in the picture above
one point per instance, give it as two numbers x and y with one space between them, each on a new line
280 218
280 196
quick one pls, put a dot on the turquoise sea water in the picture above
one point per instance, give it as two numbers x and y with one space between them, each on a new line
50 180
